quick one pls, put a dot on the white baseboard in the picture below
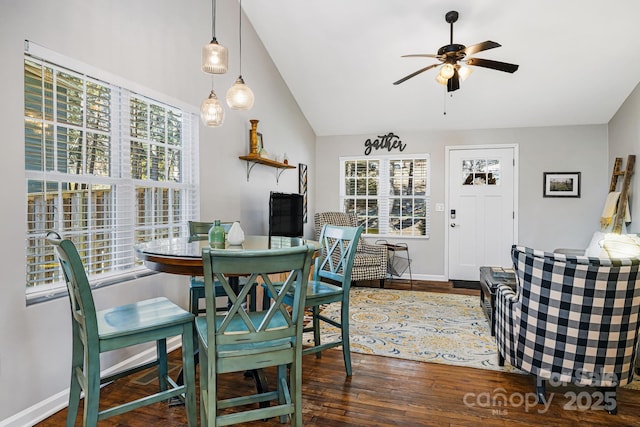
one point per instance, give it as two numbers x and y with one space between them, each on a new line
429 277
44 409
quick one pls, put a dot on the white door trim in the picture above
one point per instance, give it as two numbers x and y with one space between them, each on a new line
445 217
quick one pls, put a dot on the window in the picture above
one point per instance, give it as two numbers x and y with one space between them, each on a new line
390 195
481 172
105 166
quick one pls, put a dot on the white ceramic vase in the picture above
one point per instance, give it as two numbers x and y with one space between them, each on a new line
235 236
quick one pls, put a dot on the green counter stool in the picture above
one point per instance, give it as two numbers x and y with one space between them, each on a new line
240 340
96 332
331 283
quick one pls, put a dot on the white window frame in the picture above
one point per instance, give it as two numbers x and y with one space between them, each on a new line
384 198
122 227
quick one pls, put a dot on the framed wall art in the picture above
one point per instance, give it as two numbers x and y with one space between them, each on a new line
561 184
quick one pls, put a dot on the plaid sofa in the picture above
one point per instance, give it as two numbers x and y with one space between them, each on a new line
370 262
572 319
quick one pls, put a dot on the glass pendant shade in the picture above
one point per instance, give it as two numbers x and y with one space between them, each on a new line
215 58
240 96
211 112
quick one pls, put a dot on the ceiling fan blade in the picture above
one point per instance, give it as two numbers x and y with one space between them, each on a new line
415 74
453 83
494 65
421 55
475 48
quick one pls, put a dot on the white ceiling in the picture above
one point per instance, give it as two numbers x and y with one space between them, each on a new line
579 60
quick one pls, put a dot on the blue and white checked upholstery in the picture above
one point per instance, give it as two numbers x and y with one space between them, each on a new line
370 262
572 319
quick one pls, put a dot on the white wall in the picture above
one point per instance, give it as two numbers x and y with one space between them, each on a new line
156 44
624 139
544 223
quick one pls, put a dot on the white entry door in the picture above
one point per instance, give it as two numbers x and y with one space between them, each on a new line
481 213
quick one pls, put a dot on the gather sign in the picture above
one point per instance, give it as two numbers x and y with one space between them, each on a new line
389 142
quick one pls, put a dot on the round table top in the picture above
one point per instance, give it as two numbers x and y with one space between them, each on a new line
180 255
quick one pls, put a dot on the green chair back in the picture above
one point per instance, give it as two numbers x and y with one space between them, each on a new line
338 249
83 310
95 332
331 284
241 339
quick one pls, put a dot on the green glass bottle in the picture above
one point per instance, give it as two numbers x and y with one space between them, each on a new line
216 235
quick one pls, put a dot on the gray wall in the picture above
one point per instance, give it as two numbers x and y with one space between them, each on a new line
624 139
544 223
155 44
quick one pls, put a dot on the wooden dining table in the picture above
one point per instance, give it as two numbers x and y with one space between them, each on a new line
181 255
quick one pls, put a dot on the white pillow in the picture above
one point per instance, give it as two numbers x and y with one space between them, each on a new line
595 248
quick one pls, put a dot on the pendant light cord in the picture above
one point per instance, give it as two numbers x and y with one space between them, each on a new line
213 19
240 34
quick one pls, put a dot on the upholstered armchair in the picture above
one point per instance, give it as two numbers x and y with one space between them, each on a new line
572 320
370 262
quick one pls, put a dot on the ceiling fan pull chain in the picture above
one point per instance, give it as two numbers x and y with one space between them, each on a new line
444 102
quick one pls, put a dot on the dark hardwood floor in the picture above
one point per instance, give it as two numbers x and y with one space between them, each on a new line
385 391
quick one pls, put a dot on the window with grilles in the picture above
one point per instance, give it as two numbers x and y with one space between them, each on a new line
389 194
105 166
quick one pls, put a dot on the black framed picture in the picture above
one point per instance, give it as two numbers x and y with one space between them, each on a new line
561 184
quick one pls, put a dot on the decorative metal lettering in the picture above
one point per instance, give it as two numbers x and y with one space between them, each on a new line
389 141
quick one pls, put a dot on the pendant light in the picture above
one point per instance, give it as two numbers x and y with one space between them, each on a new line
240 96
211 111
214 56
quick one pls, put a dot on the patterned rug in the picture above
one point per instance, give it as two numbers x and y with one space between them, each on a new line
421 326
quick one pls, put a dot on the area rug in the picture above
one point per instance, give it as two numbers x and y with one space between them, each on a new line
421 326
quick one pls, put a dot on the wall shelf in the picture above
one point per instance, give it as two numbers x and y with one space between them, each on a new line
255 159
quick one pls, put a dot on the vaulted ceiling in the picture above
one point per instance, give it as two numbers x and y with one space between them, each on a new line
579 60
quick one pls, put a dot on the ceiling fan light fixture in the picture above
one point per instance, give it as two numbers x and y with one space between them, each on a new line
464 72
211 111
446 71
451 72
441 79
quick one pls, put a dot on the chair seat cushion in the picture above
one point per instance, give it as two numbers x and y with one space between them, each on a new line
238 327
317 288
139 317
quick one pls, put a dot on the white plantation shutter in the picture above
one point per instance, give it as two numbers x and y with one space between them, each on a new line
105 166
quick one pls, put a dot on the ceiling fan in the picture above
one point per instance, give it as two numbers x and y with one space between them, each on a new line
453 54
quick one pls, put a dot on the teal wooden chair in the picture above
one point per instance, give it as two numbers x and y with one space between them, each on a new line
241 340
199 230
96 332
331 283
